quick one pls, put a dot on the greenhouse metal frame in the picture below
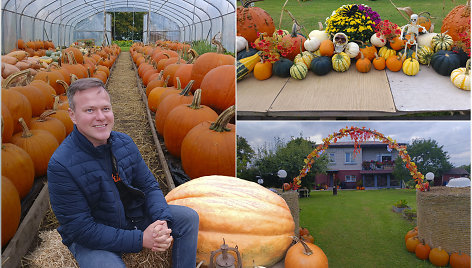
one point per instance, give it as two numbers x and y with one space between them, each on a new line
66 21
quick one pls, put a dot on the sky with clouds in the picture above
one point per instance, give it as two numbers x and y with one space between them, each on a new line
454 136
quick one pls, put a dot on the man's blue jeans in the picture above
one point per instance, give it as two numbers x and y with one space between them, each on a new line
184 249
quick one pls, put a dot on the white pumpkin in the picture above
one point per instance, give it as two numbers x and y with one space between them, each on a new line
241 43
320 34
352 49
312 44
425 39
460 77
378 40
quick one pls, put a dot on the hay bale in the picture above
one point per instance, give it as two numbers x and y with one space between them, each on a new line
443 216
291 198
52 253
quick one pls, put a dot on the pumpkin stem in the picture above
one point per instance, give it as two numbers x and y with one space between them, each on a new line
467 67
186 90
56 103
63 84
26 132
467 10
308 250
219 47
197 97
73 78
161 73
7 82
45 114
193 56
88 72
223 119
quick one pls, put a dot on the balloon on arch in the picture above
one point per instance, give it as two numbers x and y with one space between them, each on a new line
359 135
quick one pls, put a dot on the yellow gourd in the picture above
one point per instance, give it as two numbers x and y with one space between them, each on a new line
246 65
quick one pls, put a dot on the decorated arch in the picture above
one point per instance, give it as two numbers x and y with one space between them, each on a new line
359 135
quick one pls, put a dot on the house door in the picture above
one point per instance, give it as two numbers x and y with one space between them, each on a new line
331 179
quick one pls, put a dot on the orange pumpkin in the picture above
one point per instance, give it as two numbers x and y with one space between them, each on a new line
224 205
368 50
379 62
63 116
218 88
411 233
50 124
18 106
154 97
363 64
76 53
327 48
459 260
184 73
18 165
39 144
51 76
208 149
170 71
7 124
457 21
305 255
47 90
156 82
411 243
11 210
205 63
253 20
422 251
297 40
34 96
394 63
262 71
182 119
438 257
397 43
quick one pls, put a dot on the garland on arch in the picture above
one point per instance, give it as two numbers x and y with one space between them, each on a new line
359 135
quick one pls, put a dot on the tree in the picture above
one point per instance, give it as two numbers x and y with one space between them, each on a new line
466 167
127 25
428 157
244 154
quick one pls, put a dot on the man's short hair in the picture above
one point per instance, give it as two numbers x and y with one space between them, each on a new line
80 85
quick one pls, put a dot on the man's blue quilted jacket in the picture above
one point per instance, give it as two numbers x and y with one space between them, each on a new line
85 199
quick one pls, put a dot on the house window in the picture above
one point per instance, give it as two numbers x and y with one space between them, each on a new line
349 158
332 159
386 158
350 178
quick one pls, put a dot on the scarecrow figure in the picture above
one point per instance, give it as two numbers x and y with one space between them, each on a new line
412 31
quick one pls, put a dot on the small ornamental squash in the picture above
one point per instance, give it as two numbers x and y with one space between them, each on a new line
341 62
208 148
394 63
411 243
298 71
444 62
352 49
425 54
281 68
253 20
246 65
363 65
305 57
182 119
459 260
39 144
385 52
7 124
411 233
226 206
312 44
262 71
460 77
368 50
305 255
218 88
438 257
327 48
11 210
457 21
18 165
397 43
247 52
319 34
378 62
241 43
422 251
378 40
411 66
321 65
442 41
425 39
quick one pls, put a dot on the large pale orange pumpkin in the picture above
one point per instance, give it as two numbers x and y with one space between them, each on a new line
18 166
182 119
242 213
205 62
11 210
305 255
208 149
39 144
218 88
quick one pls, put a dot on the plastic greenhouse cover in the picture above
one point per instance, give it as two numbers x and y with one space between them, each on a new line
65 21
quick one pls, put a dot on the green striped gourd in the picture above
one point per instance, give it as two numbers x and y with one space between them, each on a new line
442 41
305 57
386 52
425 54
341 62
246 65
298 71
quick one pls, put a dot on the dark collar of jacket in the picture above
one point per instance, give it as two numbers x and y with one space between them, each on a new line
88 147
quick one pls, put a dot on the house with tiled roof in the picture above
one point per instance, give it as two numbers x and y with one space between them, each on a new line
453 173
372 167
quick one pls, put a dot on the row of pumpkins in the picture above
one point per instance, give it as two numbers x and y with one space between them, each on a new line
35 121
317 53
436 256
193 102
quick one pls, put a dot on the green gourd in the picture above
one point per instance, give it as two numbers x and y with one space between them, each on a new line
281 68
246 65
298 71
321 65
444 62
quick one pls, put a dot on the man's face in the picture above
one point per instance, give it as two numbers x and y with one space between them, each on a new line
93 115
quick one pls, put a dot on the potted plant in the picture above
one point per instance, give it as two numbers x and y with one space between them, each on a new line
400 205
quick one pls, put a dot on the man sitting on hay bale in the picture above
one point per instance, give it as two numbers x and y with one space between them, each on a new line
104 196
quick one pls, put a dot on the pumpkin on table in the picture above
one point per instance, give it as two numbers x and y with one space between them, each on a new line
297 41
394 63
253 20
244 213
411 66
363 65
441 41
39 144
305 255
444 62
378 62
11 210
298 71
460 77
262 70
18 165
321 65
281 68
208 148
457 21
327 48
341 62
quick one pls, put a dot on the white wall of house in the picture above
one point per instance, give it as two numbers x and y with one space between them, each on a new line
340 159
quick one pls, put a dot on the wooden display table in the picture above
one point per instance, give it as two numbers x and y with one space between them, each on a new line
350 94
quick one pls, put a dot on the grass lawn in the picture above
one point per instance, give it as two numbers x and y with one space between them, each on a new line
359 228
310 12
